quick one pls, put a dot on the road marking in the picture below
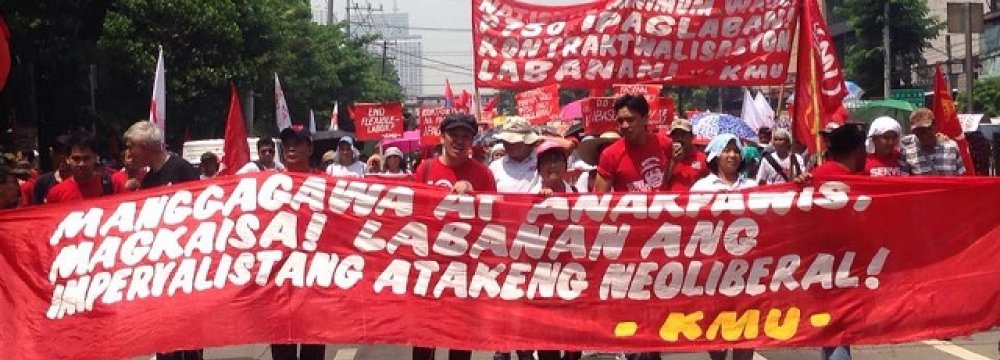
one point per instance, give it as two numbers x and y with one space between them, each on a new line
758 356
948 347
346 354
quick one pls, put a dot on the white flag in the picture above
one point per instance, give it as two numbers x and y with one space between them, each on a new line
751 115
158 102
334 124
281 108
312 122
764 109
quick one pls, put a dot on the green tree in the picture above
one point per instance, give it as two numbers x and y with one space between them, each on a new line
986 93
911 27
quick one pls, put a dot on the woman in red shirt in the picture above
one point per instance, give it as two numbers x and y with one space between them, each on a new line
883 148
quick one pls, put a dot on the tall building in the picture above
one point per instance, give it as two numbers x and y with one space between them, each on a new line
990 43
402 49
322 12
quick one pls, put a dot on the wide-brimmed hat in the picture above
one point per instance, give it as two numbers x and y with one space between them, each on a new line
588 147
518 130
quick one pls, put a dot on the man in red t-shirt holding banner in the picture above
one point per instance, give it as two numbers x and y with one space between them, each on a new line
377 121
87 181
539 105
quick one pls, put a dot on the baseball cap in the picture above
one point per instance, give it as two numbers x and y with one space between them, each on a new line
457 121
680 124
346 139
550 144
295 131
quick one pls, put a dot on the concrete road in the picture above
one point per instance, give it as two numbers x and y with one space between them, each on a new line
982 346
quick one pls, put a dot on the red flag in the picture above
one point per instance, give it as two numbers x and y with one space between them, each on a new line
819 91
492 104
235 150
464 100
4 52
946 116
449 96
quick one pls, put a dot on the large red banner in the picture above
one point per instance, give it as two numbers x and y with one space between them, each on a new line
430 123
520 45
377 121
538 105
282 258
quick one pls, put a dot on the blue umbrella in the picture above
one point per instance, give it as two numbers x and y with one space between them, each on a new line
709 125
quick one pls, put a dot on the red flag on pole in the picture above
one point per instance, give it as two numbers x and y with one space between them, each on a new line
819 82
235 150
946 116
449 96
464 100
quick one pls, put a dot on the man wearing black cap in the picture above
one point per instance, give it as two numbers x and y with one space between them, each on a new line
455 170
296 148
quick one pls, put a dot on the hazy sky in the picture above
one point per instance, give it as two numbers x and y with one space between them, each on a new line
453 46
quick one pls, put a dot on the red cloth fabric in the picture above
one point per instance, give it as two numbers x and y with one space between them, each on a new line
688 171
882 166
71 189
636 168
443 175
832 168
27 192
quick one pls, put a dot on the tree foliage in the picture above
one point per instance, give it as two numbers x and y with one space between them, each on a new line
207 44
911 27
986 93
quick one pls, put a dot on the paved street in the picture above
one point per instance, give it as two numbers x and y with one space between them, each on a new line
981 346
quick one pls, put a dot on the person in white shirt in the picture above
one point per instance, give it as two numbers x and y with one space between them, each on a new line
516 172
265 158
347 164
725 161
589 151
782 165
394 163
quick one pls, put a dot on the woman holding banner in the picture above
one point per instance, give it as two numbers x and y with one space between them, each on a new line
725 161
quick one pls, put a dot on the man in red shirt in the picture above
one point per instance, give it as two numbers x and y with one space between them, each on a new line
640 161
454 168
846 152
688 165
87 181
296 149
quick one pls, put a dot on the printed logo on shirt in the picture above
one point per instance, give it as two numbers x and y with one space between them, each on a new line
696 165
441 183
652 175
886 171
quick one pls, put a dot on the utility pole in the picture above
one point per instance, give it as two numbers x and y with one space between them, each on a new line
947 48
966 18
970 72
886 44
329 12
385 44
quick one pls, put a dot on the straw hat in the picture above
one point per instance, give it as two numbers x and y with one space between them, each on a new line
588 147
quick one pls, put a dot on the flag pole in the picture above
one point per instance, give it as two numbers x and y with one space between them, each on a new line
781 93
479 105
